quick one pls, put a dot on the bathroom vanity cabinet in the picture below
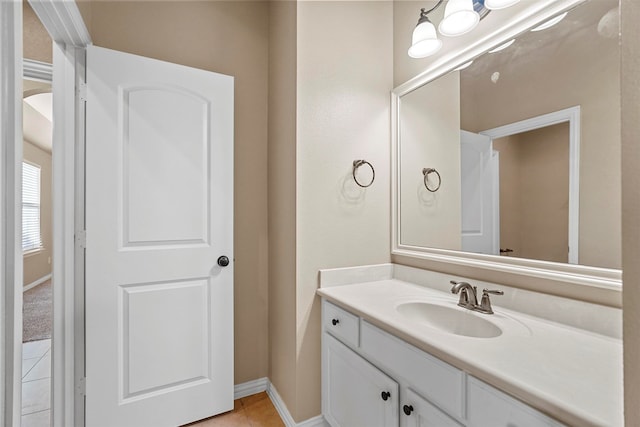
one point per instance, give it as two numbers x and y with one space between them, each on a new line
372 378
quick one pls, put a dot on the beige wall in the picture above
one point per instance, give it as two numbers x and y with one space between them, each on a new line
282 199
344 77
430 128
573 75
630 12
534 193
228 37
37 44
38 265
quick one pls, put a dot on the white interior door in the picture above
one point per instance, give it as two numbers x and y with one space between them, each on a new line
478 194
159 213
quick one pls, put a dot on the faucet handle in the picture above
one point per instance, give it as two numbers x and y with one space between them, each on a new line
485 302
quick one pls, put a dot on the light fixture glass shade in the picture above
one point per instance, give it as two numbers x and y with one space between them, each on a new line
502 46
463 66
459 18
499 4
424 41
550 23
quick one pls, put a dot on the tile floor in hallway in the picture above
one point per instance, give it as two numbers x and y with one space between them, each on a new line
251 411
36 383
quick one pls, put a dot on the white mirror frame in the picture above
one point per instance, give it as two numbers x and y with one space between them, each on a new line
603 278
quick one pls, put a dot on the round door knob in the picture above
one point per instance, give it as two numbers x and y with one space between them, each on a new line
223 261
334 322
385 395
408 409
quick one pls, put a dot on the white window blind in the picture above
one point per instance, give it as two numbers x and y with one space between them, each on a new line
31 238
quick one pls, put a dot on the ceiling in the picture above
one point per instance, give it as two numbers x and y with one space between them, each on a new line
589 26
36 114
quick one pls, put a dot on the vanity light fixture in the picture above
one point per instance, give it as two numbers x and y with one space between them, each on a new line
499 4
550 23
502 46
424 41
459 18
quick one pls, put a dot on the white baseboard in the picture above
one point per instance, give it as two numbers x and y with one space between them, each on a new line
286 416
250 387
263 384
36 283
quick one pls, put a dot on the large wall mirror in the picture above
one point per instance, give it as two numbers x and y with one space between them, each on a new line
514 158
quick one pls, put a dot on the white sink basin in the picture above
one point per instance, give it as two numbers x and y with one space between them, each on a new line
452 319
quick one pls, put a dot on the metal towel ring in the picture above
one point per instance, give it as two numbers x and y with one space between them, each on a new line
426 172
356 165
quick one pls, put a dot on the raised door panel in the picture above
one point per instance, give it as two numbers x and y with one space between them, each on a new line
352 389
165 157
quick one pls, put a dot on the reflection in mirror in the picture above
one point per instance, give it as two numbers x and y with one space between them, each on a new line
550 192
534 193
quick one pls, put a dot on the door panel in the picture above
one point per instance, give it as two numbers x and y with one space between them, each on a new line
477 185
159 206
154 118
352 389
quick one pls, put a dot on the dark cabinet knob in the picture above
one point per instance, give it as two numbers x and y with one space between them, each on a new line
334 322
385 395
223 261
408 409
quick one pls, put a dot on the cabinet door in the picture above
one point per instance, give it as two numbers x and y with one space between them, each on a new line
417 412
354 392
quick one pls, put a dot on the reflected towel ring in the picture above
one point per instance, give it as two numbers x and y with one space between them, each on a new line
426 172
356 165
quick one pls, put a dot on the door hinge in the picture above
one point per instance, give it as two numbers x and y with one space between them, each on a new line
81 238
82 91
81 386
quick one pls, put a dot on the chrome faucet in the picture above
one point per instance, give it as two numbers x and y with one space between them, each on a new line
469 297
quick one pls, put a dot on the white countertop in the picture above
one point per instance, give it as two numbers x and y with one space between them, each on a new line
573 375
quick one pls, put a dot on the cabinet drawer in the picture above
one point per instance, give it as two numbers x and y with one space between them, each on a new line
434 379
487 406
340 323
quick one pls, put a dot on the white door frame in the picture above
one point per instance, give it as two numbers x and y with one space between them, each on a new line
64 24
10 212
572 116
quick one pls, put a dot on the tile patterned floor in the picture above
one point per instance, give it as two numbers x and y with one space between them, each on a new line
36 383
251 411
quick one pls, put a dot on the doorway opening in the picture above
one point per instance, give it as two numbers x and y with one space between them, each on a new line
37 245
37 221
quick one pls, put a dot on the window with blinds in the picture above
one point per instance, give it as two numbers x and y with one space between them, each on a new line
31 238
